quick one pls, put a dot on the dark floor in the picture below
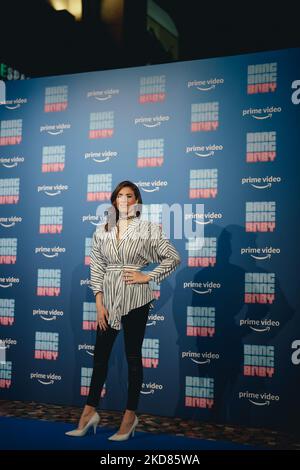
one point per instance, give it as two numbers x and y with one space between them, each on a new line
157 424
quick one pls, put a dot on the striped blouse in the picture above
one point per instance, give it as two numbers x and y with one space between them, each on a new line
143 242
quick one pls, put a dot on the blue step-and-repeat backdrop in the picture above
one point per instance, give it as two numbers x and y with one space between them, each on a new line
219 138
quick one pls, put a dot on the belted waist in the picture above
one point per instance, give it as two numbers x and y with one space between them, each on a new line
121 293
117 267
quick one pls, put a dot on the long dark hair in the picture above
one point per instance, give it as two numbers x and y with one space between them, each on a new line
113 212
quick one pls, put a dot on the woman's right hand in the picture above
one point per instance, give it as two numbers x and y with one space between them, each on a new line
102 313
102 317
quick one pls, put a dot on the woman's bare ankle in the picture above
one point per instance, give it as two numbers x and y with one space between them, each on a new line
87 410
129 414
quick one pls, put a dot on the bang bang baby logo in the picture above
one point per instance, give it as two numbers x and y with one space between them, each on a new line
8 250
48 282
260 216
199 392
262 78
11 132
9 190
87 249
56 99
46 345
5 374
203 183
150 352
259 288
200 321
89 316
204 116
53 159
51 219
261 147
85 381
202 252
150 153
152 89
258 360
99 187
101 125
155 288
7 312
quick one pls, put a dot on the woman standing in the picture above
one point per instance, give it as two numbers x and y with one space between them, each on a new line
120 248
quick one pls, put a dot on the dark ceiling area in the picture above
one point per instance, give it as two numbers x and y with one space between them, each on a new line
39 40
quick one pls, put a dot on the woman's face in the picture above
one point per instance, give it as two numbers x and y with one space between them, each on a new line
125 200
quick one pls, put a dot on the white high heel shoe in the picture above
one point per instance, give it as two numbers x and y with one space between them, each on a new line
124 437
82 432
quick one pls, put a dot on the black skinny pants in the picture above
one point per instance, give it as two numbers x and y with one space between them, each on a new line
134 324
